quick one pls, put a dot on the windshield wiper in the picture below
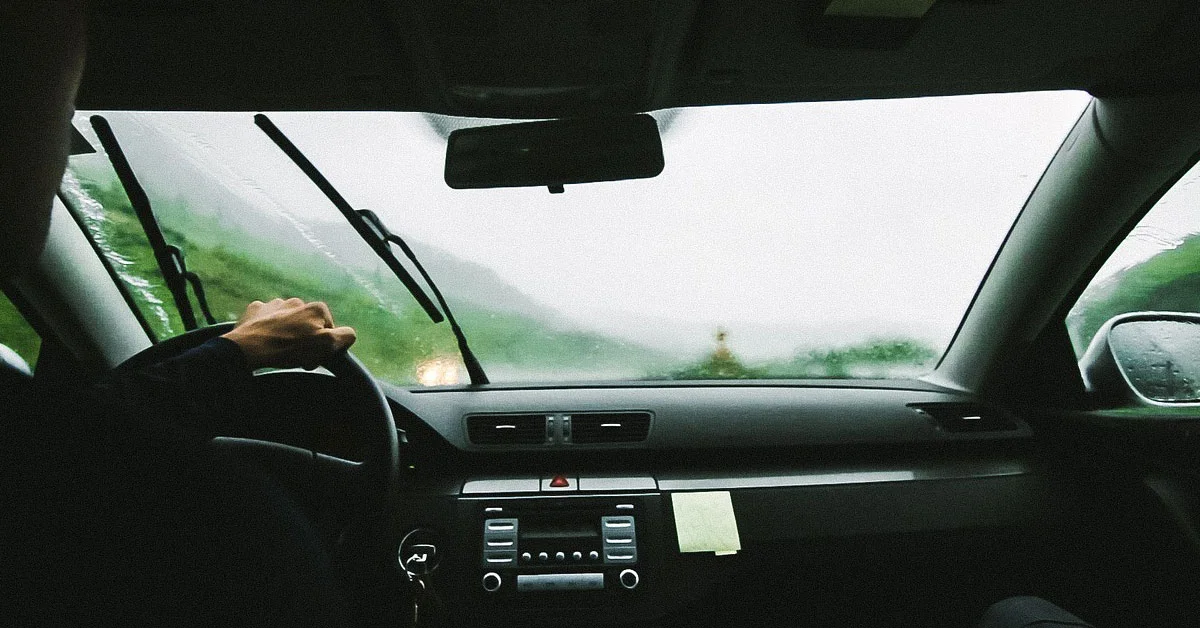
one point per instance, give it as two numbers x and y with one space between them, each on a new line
474 370
372 230
169 257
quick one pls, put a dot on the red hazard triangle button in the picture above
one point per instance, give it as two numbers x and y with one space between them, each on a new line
559 483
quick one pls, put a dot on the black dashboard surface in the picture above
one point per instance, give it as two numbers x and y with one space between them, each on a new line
688 417
802 464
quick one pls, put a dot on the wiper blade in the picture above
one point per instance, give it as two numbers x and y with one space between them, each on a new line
360 225
474 370
169 257
376 234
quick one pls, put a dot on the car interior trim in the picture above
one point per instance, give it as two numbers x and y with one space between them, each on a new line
957 472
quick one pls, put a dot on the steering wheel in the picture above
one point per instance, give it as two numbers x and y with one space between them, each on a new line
373 482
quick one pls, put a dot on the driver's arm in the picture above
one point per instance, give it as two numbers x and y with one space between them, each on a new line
156 413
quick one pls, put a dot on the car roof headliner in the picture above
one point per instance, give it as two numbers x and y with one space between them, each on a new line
557 58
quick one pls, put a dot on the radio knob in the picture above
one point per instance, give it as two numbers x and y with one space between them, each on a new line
629 579
491 581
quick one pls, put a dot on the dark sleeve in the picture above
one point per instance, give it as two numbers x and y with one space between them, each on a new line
170 408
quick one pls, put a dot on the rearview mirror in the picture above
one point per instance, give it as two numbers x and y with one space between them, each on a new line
1146 356
553 153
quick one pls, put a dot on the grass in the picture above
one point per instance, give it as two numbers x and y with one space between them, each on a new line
1169 281
17 334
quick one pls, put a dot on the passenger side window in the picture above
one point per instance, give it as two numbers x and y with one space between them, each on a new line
20 343
1156 268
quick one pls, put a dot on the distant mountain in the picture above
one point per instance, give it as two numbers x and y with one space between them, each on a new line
461 281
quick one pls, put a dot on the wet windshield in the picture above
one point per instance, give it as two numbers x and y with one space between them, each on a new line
814 240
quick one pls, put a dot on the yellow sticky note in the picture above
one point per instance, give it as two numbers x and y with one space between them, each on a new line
879 8
704 522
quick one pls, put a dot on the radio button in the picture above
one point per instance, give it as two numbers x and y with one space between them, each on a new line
500 525
491 582
629 578
576 555
620 556
499 558
543 556
593 555
559 556
526 556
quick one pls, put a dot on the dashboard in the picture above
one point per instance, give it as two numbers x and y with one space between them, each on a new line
532 504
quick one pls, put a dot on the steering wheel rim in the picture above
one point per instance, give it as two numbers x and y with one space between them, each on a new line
376 477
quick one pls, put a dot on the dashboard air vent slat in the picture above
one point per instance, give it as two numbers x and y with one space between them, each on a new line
968 417
507 429
610 427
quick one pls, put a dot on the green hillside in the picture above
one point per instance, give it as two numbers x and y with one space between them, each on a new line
394 334
1168 281
17 334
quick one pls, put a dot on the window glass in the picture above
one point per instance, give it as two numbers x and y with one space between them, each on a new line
92 191
17 335
1156 268
806 240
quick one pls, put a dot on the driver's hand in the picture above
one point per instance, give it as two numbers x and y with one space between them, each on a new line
288 334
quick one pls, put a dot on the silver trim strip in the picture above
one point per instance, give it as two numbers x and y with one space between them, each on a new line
508 485
570 495
617 483
964 472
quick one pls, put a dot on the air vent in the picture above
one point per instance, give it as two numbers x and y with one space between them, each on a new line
507 429
967 417
610 427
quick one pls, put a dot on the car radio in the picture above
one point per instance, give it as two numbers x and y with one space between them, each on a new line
560 544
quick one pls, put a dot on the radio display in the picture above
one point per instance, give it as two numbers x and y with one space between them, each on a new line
559 529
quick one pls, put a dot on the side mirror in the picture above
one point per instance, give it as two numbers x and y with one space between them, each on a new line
1145 357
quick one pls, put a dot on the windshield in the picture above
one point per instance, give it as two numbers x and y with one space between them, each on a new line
818 240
